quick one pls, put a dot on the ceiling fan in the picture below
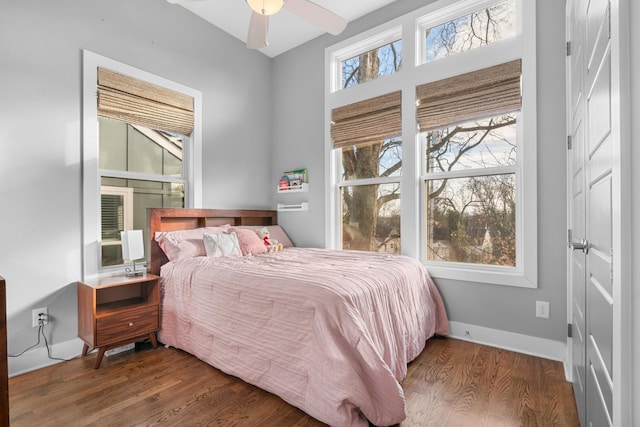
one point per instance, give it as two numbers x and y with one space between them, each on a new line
305 9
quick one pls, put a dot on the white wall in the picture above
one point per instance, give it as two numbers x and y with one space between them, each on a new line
40 141
635 189
299 141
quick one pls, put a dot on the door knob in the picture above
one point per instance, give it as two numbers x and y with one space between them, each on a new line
582 245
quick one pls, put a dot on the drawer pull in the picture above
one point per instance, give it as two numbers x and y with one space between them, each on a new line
130 323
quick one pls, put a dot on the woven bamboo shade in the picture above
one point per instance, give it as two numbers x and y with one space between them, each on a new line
371 120
483 93
141 103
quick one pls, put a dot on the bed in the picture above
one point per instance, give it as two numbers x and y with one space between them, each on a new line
330 332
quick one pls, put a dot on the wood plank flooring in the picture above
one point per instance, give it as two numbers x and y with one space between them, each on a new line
452 383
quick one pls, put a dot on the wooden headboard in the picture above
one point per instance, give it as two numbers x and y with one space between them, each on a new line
171 219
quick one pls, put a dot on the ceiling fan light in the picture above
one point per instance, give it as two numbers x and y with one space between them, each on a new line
266 7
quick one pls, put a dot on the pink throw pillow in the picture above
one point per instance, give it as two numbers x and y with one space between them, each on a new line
249 241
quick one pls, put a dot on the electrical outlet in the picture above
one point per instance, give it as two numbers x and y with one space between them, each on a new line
35 316
542 309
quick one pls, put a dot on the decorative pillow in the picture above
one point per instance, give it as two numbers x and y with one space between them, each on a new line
181 244
275 233
221 245
249 241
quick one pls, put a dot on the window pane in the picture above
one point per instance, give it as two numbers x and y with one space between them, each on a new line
378 62
116 209
112 216
124 147
371 218
144 154
468 32
375 160
173 155
479 144
472 220
113 144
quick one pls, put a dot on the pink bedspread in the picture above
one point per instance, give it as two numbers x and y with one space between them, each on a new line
330 332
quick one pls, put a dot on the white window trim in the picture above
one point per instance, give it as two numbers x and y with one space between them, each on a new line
412 74
90 151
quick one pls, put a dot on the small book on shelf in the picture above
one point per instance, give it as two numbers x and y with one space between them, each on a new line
293 179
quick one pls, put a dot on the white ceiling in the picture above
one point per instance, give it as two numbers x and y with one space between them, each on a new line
286 30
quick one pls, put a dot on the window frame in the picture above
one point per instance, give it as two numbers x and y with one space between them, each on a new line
501 275
414 73
376 40
380 180
92 175
452 11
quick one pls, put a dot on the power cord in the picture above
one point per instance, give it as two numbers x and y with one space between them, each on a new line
28 348
46 343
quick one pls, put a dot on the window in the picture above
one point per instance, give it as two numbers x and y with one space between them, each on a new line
370 65
370 196
141 141
366 135
368 60
468 31
146 166
470 192
471 165
464 158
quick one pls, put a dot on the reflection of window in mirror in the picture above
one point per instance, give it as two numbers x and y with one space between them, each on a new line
116 210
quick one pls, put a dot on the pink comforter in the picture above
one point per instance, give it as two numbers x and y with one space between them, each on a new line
330 332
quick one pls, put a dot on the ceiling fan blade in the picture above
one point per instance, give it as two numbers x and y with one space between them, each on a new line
317 15
258 29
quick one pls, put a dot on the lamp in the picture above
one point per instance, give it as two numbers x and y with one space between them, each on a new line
266 7
132 249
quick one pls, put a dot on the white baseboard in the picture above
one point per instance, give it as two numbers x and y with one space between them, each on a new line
535 346
38 358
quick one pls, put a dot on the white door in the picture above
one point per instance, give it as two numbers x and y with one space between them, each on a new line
591 208
577 196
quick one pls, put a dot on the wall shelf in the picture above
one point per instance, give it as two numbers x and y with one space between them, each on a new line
304 206
297 189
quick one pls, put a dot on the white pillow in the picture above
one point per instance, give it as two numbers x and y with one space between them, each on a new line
222 245
180 244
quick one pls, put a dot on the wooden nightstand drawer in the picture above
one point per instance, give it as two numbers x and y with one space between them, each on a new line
120 326
116 310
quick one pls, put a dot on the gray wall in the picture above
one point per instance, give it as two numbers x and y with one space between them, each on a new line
40 142
40 146
299 140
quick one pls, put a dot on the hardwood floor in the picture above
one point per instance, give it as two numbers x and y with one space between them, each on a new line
452 383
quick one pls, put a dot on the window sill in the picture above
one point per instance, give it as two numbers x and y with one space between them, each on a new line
503 276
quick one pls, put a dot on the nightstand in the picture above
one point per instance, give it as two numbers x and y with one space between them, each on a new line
118 310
